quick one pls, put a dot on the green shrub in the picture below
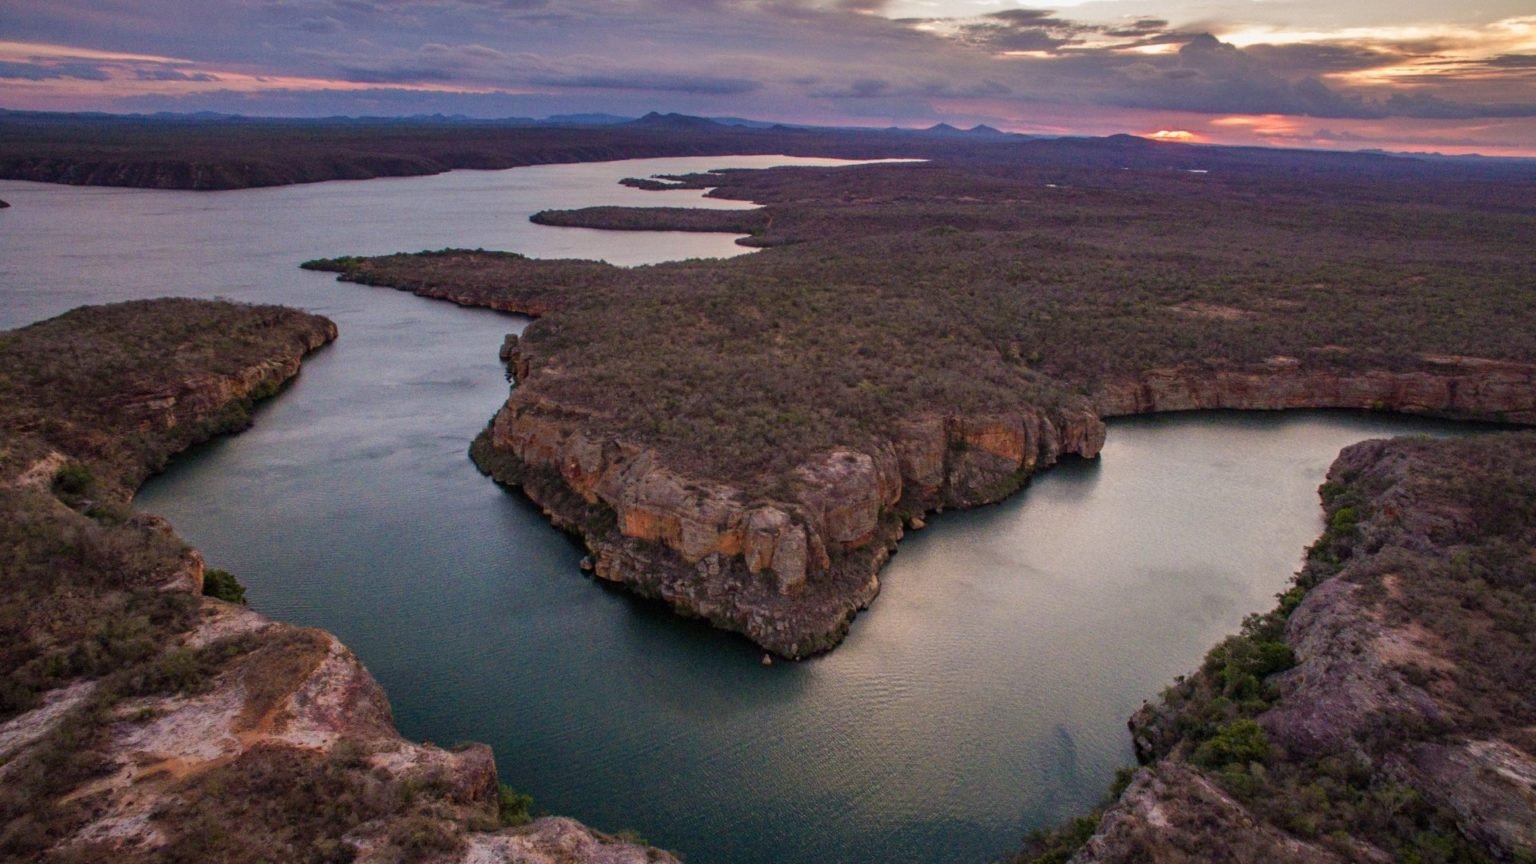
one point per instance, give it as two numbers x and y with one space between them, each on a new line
1237 743
1344 521
514 806
74 478
223 585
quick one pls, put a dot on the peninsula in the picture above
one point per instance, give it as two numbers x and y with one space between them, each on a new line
747 439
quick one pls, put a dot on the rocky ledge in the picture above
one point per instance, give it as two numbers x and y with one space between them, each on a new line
1468 388
143 721
1384 711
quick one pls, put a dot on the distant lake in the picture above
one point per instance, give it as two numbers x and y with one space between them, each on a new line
984 694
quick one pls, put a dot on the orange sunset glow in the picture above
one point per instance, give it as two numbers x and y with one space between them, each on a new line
1318 76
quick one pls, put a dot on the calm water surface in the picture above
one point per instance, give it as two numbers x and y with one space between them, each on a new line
983 695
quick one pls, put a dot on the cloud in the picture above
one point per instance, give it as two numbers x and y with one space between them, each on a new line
326 24
781 59
51 71
173 75
1427 106
877 88
1513 61
1319 58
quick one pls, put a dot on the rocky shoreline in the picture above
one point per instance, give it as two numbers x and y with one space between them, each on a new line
788 572
1392 717
199 730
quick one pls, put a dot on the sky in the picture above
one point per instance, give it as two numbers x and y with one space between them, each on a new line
1405 75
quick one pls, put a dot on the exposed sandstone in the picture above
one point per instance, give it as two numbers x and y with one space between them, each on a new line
779 569
1460 387
788 570
1172 814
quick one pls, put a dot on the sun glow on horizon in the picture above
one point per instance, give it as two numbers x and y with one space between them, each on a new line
1173 135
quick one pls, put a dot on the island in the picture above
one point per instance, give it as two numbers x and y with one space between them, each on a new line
144 718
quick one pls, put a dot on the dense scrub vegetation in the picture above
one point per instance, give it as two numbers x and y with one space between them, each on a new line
656 219
88 399
238 152
977 285
241 152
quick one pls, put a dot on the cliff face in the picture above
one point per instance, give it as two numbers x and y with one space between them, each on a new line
1460 387
790 569
1403 729
141 721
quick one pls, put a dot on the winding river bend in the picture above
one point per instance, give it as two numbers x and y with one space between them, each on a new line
983 695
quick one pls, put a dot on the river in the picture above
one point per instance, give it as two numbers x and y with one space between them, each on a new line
983 694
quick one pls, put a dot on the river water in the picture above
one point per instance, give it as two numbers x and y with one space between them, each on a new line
984 693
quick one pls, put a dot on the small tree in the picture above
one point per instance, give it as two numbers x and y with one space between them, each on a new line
223 585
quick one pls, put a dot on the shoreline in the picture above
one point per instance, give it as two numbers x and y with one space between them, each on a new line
216 706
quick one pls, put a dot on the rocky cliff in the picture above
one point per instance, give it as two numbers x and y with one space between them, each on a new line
1395 723
1443 386
789 568
142 721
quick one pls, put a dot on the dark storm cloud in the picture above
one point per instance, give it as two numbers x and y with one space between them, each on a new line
1139 28
1513 61
1304 58
1211 76
1029 18
52 71
1426 106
